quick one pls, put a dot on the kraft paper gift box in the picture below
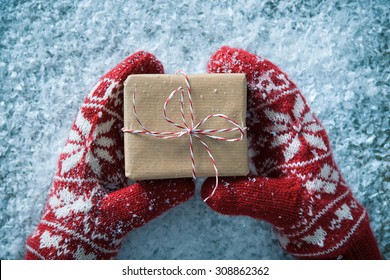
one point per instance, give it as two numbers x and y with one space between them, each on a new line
148 157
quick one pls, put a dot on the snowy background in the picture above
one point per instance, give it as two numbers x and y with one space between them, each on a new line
52 53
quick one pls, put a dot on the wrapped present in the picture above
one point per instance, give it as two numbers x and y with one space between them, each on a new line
179 126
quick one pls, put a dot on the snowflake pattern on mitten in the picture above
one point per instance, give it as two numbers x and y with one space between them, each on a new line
89 209
294 181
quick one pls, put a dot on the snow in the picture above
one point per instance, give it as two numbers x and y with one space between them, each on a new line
52 53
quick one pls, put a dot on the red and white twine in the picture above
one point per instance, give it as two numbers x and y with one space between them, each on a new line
189 129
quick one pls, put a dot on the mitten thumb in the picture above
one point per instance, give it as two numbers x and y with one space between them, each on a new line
135 205
270 199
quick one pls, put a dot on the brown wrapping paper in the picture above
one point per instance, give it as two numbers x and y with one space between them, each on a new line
148 157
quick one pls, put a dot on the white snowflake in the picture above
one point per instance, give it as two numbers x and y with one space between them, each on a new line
66 202
317 238
326 181
81 254
343 213
287 129
80 141
48 240
96 95
267 83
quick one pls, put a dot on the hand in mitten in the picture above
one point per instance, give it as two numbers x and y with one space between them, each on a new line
294 182
89 210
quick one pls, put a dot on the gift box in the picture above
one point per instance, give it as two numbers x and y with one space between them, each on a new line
149 157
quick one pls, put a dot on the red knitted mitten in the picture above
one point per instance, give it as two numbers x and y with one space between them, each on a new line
294 182
88 211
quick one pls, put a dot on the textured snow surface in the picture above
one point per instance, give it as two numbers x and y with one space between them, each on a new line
52 53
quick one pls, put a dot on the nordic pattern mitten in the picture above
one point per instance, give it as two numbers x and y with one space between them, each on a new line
294 182
89 209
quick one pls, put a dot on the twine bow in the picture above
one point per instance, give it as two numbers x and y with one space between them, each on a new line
189 129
